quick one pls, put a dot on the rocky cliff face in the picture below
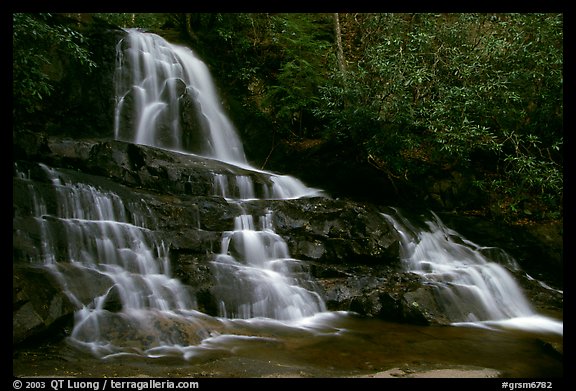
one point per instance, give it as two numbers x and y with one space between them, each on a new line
352 251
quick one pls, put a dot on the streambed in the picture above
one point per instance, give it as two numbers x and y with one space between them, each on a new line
342 345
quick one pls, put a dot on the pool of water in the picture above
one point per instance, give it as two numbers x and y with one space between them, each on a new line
335 344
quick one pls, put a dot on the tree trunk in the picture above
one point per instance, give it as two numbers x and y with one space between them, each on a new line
340 50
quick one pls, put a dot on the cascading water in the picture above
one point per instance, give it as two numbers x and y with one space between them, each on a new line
257 278
470 287
160 79
166 99
472 283
154 79
105 246
111 263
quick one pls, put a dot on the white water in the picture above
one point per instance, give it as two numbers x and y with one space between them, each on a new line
471 288
256 277
154 80
90 242
257 282
156 74
107 256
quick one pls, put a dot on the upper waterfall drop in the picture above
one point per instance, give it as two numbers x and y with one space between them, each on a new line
159 82
166 98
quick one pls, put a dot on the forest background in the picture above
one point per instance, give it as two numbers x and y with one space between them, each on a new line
464 104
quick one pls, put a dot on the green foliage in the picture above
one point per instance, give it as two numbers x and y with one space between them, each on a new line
461 86
135 20
37 39
418 93
279 59
303 46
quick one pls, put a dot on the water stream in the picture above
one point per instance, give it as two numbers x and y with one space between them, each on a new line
473 284
264 295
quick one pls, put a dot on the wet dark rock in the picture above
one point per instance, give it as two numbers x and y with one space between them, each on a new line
40 309
349 247
385 293
336 231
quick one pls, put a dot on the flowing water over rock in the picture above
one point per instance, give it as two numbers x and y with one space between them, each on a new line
144 310
256 277
155 79
473 284
111 260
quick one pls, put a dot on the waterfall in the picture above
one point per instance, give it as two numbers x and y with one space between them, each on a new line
256 277
473 284
160 78
106 254
113 265
154 80
166 98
